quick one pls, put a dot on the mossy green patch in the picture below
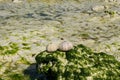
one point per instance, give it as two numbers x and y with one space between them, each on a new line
24 38
27 48
112 13
12 48
24 60
79 63
85 36
1 79
18 76
25 44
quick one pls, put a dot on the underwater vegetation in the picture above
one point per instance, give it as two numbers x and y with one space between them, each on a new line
12 48
80 63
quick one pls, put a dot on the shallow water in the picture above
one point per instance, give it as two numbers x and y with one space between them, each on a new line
31 26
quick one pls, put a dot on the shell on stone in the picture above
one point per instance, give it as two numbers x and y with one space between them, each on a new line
51 47
65 46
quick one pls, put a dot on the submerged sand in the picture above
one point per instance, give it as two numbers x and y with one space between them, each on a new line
32 26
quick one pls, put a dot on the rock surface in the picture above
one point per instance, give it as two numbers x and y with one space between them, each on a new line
79 63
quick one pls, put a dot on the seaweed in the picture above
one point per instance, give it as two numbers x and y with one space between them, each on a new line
79 63
17 76
11 48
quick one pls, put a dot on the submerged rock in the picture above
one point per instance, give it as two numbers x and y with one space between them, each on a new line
80 63
98 8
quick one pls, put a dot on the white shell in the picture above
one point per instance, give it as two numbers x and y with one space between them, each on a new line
52 47
65 46
17 1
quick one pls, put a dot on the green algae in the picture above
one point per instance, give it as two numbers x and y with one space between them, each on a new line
24 61
112 13
11 48
1 79
25 44
17 76
78 64
24 38
26 48
85 35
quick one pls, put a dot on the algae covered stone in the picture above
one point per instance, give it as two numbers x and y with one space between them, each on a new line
80 63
